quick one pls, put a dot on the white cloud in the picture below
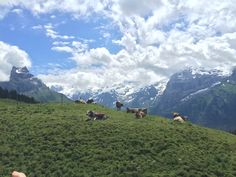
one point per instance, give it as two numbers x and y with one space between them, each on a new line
80 8
159 37
60 43
72 47
142 8
11 56
17 11
50 32
37 27
106 35
63 49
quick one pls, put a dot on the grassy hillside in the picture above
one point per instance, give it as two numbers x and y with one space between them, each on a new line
54 140
214 108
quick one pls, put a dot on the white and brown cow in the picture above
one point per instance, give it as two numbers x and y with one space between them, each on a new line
96 115
178 118
140 114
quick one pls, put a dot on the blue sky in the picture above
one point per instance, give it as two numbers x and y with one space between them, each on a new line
104 43
19 28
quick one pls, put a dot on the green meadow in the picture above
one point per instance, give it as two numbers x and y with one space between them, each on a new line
55 140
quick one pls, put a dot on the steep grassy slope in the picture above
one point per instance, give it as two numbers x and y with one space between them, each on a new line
215 108
53 140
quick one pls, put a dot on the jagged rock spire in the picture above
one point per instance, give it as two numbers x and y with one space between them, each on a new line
20 73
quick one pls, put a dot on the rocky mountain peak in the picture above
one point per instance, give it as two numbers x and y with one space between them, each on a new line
19 73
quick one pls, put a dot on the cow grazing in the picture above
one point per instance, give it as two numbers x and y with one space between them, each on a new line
119 105
177 117
80 101
140 114
145 110
89 101
134 110
96 115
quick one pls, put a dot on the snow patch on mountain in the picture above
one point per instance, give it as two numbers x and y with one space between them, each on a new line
203 71
199 92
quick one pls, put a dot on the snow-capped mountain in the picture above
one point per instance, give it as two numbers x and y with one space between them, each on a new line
208 98
184 85
160 96
25 83
128 93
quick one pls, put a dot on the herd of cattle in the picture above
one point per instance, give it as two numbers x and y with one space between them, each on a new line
138 112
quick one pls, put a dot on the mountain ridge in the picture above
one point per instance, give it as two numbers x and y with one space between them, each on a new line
27 84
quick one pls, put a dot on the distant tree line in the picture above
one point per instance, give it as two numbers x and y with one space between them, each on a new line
12 94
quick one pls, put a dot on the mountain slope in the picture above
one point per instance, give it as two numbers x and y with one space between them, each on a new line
4 93
215 108
55 140
25 83
182 85
207 99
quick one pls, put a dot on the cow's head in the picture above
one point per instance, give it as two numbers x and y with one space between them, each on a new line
175 114
90 113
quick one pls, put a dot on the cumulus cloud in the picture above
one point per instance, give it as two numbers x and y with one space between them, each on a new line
158 38
142 8
11 56
79 8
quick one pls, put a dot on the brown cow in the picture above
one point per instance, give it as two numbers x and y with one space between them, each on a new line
134 110
96 115
119 105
